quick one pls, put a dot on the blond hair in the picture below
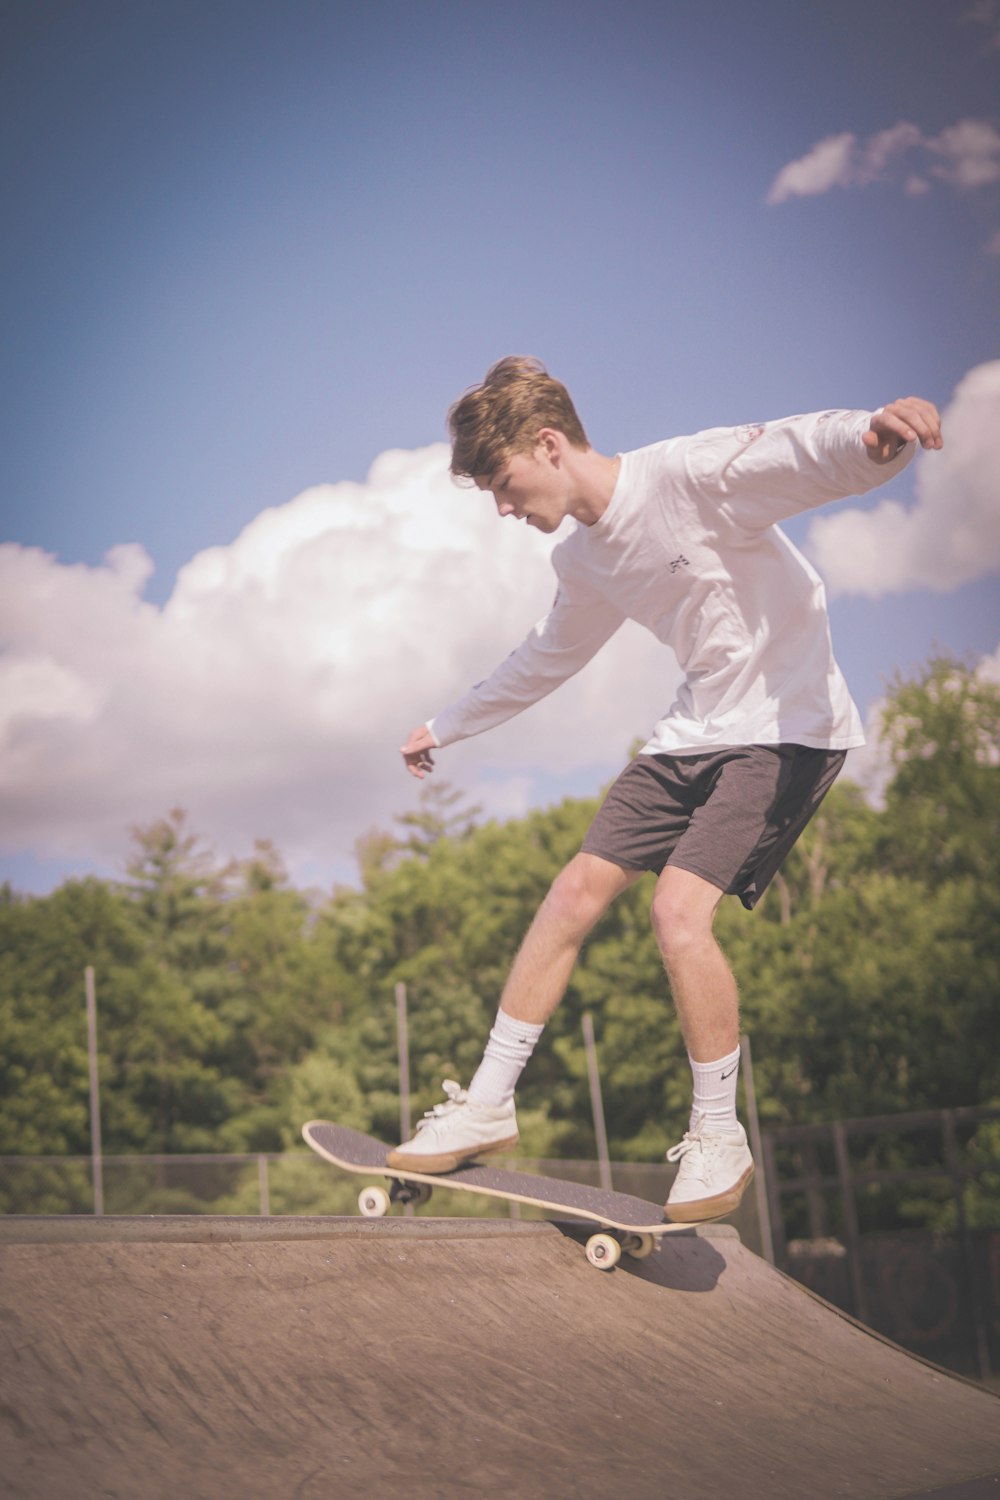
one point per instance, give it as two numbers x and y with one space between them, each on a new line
505 414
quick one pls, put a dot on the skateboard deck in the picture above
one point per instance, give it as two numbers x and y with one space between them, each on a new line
627 1223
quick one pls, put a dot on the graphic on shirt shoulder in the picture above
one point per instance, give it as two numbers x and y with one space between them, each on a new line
749 432
679 562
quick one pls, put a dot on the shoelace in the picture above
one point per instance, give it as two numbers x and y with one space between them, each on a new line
692 1138
683 1147
456 1095
694 1157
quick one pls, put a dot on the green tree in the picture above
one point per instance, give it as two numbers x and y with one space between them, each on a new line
942 814
286 988
45 945
170 1051
441 814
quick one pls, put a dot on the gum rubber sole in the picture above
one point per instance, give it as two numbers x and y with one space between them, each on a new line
697 1210
448 1161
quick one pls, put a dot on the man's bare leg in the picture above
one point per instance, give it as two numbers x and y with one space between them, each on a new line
577 899
701 981
714 1161
483 1118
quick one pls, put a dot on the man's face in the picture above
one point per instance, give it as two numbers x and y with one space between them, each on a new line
530 487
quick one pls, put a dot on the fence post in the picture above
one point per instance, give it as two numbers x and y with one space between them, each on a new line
776 1217
403 1043
596 1102
851 1233
403 1040
756 1146
953 1163
264 1186
96 1157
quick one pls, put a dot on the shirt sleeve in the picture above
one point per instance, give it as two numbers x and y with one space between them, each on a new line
762 473
577 626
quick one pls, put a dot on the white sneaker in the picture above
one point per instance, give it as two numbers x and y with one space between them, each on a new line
455 1132
713 1173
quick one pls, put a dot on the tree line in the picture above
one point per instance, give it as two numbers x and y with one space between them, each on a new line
234 1006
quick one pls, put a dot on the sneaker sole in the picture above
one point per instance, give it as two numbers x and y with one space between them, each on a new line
408 1161
698 1209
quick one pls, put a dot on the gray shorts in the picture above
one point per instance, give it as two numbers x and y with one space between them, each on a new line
730 816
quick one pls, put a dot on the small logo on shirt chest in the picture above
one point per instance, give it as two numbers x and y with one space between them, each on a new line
679 562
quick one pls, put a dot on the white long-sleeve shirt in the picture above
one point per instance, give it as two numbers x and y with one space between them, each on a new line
689 547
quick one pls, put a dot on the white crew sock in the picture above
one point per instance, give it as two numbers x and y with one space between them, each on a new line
715 1093
510 1045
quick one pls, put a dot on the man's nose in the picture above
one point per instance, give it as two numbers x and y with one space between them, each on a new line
505 508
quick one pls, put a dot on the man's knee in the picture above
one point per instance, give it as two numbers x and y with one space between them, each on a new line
584 889
683 911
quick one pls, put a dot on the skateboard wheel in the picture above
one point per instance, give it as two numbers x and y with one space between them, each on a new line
373 1202
603 1251
421 1194
639 1245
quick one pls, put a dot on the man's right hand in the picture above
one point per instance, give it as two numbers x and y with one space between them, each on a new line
908 420
417 751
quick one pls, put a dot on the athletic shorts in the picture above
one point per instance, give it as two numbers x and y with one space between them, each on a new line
730 816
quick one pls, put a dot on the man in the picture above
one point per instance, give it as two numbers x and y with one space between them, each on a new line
682 537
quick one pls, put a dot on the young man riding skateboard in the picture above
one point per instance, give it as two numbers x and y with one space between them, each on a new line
682 537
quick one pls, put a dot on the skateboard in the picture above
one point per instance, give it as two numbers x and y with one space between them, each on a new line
627 1225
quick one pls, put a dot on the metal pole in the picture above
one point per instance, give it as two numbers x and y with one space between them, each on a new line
403 1041
757 1147
404 1063
980 1317
596 1102
263 1187
852 1236
97 1161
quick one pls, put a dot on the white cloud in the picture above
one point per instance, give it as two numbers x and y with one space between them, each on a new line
965 155
951 535
828 164
968 154
880 151
269 696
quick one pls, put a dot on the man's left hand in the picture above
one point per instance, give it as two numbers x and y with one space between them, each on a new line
908 420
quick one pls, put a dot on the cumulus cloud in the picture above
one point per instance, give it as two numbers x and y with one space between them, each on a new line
951 535
965 155
828 164
269 695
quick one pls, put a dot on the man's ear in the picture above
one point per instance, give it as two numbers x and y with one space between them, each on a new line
551 441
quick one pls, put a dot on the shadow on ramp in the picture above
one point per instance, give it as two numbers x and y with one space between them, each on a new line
693 1264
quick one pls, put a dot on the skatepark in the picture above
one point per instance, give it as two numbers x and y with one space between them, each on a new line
308 1358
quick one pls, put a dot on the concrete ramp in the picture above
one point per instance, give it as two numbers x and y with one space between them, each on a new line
429 1359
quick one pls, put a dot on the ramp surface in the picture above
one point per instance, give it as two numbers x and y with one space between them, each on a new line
328 1359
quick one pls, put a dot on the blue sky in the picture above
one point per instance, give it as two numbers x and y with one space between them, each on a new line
251 247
